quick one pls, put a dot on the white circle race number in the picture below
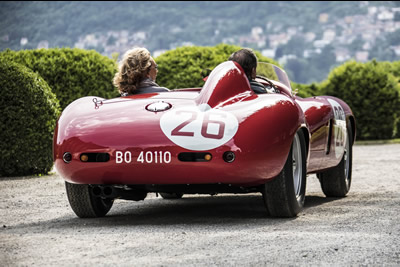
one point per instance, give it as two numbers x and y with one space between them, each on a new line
340 129
199 128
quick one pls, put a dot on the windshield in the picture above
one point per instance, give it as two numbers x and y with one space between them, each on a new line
272 72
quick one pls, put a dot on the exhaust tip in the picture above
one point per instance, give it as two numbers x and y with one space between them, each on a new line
229 156
67 157
96 190
107 190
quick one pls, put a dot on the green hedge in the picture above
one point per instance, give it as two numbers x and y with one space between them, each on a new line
372 93
306 90
29 111
184 67
394 68
70 72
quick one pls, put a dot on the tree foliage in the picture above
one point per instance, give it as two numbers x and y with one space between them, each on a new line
29 111
306 90
184 67
372 93
70 73
394 69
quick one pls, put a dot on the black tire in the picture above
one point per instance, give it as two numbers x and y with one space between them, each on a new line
171 195
84 204
281 198
336 181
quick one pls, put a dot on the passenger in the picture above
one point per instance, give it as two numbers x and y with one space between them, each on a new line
137 73
248 60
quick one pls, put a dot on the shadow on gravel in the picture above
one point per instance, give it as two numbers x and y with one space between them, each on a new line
218 209
190 210
222 207
313 201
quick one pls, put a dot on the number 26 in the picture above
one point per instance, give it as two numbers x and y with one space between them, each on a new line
204 127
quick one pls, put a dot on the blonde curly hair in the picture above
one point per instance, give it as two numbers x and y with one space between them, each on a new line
133 68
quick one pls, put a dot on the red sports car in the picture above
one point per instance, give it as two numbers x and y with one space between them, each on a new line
221 138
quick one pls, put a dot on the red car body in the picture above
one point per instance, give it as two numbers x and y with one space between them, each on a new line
180 137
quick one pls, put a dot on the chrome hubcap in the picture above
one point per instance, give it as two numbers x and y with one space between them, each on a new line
297 165
347 162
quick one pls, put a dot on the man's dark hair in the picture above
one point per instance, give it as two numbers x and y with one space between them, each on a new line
246 58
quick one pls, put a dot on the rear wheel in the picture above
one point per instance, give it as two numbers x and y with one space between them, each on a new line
336 181
84 203
171 195
284 196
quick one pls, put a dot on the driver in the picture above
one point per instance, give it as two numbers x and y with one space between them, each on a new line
137 73
248 60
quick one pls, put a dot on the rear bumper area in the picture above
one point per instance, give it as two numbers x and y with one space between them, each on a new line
237 173
139 192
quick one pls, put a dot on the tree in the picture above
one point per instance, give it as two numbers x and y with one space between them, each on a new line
71 73
371 92
29 111
183 67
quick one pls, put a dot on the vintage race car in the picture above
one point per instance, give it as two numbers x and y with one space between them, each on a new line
221 138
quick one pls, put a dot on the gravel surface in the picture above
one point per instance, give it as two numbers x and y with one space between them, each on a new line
38 227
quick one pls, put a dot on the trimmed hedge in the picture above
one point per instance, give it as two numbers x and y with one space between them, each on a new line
372 93
184 67
29 111
70 72
306 90
394 68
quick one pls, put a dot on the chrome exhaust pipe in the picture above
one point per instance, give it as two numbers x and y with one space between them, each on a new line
104 191
113 192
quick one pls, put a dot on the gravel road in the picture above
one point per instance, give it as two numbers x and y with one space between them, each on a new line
37 226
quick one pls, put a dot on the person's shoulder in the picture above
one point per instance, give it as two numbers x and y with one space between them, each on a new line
159 89
151 89
257 87
164 89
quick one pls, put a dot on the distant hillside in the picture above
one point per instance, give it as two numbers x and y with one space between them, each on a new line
61 23
114 26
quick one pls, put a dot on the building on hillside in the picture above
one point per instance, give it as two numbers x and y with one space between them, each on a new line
362 56
342 54
43 44
268 53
